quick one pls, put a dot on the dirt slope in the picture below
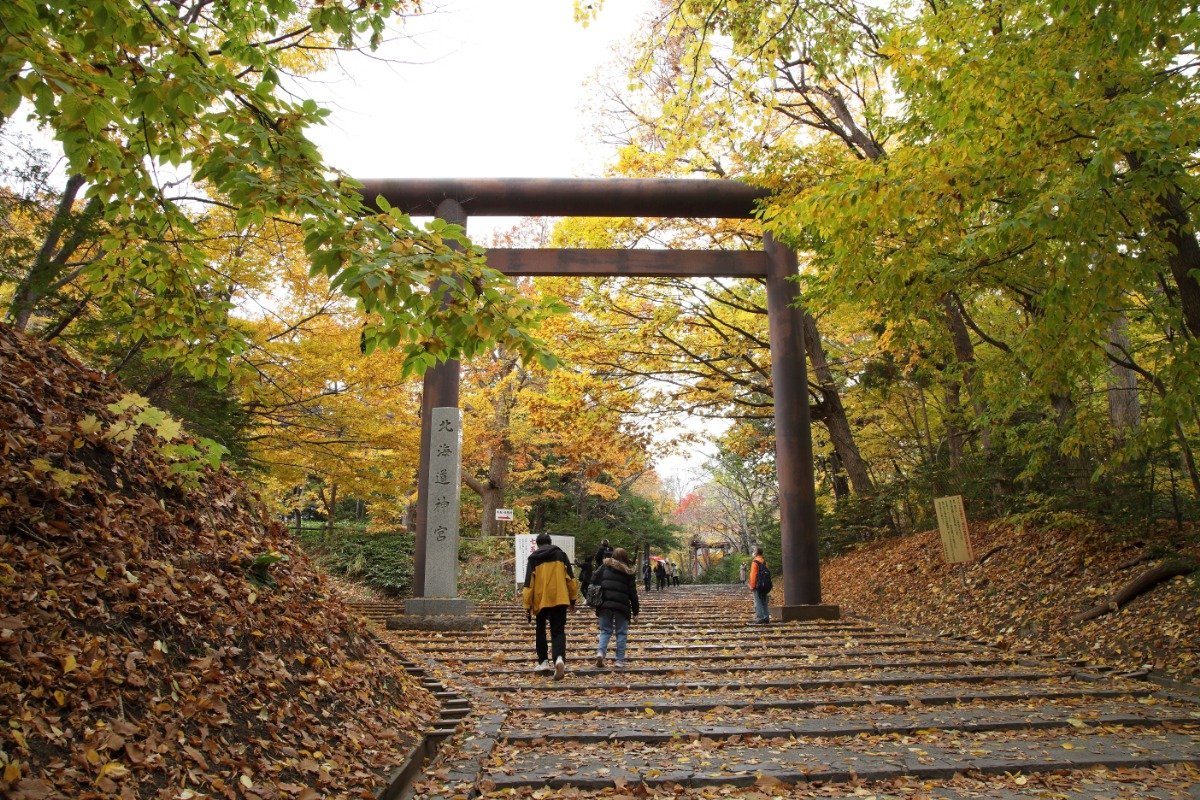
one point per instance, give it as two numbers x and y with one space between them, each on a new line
137 656
1030 586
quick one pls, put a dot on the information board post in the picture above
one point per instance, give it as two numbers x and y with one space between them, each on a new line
952 524
956 538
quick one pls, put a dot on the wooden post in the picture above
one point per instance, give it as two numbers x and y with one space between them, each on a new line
801 566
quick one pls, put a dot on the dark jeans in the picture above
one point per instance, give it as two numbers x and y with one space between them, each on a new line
662 582
557 618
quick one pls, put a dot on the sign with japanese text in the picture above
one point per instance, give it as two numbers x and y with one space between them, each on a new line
952 524
441 527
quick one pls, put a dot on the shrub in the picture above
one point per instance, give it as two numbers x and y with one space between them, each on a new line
381 560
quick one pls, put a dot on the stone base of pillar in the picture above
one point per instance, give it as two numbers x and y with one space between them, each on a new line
437 606
805 613
437 614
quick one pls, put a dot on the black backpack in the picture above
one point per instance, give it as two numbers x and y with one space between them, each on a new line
762 578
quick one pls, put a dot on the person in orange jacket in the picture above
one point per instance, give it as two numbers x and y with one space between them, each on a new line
550 587
760 586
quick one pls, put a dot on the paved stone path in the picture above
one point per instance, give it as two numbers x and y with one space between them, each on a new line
712 706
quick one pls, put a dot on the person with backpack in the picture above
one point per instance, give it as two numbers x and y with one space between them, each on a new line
604 551
550 587
760 586
660 575
617 603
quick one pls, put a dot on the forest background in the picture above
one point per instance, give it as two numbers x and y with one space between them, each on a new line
994 208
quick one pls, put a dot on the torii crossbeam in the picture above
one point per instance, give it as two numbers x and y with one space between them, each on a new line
454 199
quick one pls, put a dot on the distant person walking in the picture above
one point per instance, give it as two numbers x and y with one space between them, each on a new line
602 552
660 572
674 573
760 586
585 575
646 575
618 606
742 572
550 587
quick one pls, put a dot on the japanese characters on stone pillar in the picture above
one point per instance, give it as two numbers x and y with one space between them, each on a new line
445 466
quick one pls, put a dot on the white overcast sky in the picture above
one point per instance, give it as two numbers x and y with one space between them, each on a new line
475 88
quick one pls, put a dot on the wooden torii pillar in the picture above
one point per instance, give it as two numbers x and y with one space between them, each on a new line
456 199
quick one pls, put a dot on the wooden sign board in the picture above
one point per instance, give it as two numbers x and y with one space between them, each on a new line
952 524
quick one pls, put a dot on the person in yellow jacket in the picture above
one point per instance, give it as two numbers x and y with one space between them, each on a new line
550 588
760 586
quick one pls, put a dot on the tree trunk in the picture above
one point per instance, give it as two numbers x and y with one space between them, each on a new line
1135 588
52 258
955 435
493 498
329 501
833 413
1184 259
1189 458
1123 409
964 353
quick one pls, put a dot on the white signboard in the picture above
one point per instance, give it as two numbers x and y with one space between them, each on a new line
526 543
504 515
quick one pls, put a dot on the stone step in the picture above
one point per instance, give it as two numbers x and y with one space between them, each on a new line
893 679
809 655
1018 693
644 640
684 668
610 765
670 727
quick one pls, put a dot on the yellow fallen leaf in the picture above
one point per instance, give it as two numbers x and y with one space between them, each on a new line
1076 723
1020 780
12 772
245 781
102 572
113 769
68 664
1068 746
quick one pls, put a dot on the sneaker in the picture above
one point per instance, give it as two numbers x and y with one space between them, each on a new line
543 667
559 668
619 664
599 662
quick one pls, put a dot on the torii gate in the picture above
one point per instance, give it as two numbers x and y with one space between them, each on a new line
454 199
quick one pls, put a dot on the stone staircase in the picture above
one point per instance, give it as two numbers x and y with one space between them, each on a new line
710 701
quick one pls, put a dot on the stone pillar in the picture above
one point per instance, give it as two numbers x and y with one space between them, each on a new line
439 389
445 468
443 492
801 568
